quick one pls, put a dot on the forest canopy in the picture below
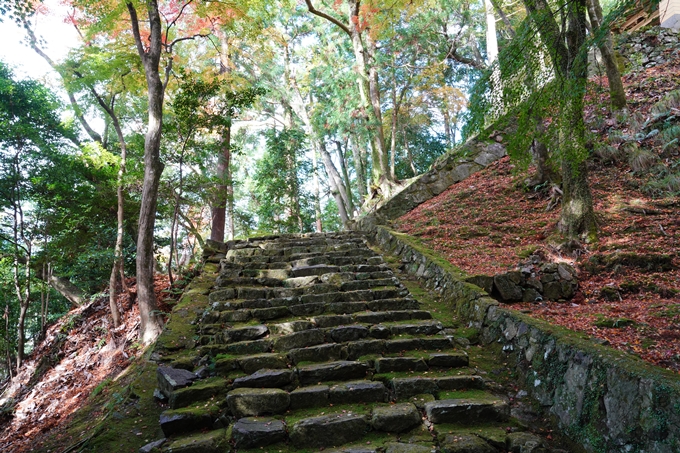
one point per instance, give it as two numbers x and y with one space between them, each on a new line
188 120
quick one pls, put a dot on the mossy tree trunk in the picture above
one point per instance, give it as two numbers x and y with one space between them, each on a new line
567 52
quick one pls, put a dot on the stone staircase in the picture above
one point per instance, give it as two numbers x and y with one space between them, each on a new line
311 342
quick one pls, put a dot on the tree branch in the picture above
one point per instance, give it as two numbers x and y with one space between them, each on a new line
135 29
328 17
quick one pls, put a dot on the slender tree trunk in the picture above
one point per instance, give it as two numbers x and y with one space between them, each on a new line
345 179
335 181
617 94
117 278
23 294
175 214
150 326
359 167
317 191
219 208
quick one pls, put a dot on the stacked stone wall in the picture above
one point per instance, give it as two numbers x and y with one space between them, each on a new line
606 400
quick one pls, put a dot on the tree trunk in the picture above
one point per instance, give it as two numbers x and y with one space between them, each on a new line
367 80
67 289
117 279
150 326
360 168
317 191
617 95
577 216
346 183
219 208
335 181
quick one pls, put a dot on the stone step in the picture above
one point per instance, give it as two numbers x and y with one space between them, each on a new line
250 432
277 308
467 411
244 402
403 388
342 370
328 430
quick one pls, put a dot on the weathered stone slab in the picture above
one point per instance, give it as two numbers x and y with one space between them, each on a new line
407 387
380 332
328 430
301 339
348 333
245 402
247 333
197 392
208 442
356 349
320 353
358 392
332 320
270 313
422 328
333 371
460 382
408 344
390 364
222 294
266 379
308 309
251 364
240 315
393 304
395 418
466 411
436 343
347 307
465 443
316 269
171 379
398 447
383 316
257 432
312 396
179 421
300 281
449 360
247 347
286 328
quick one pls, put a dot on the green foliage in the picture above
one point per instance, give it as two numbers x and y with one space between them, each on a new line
283 204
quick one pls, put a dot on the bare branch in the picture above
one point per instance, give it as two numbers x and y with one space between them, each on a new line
328 17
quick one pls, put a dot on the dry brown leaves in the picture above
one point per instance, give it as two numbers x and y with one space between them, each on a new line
487 224
79 352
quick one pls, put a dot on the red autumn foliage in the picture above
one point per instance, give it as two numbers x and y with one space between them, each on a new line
487 223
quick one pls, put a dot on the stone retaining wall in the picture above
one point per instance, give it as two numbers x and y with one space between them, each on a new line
606 400
449 169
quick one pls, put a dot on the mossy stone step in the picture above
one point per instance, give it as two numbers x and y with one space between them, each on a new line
467 411
396 418
188 419
342 370
201 390
205 442
390 364
266 378
362 391
250 432
407 387
245 402
328 430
